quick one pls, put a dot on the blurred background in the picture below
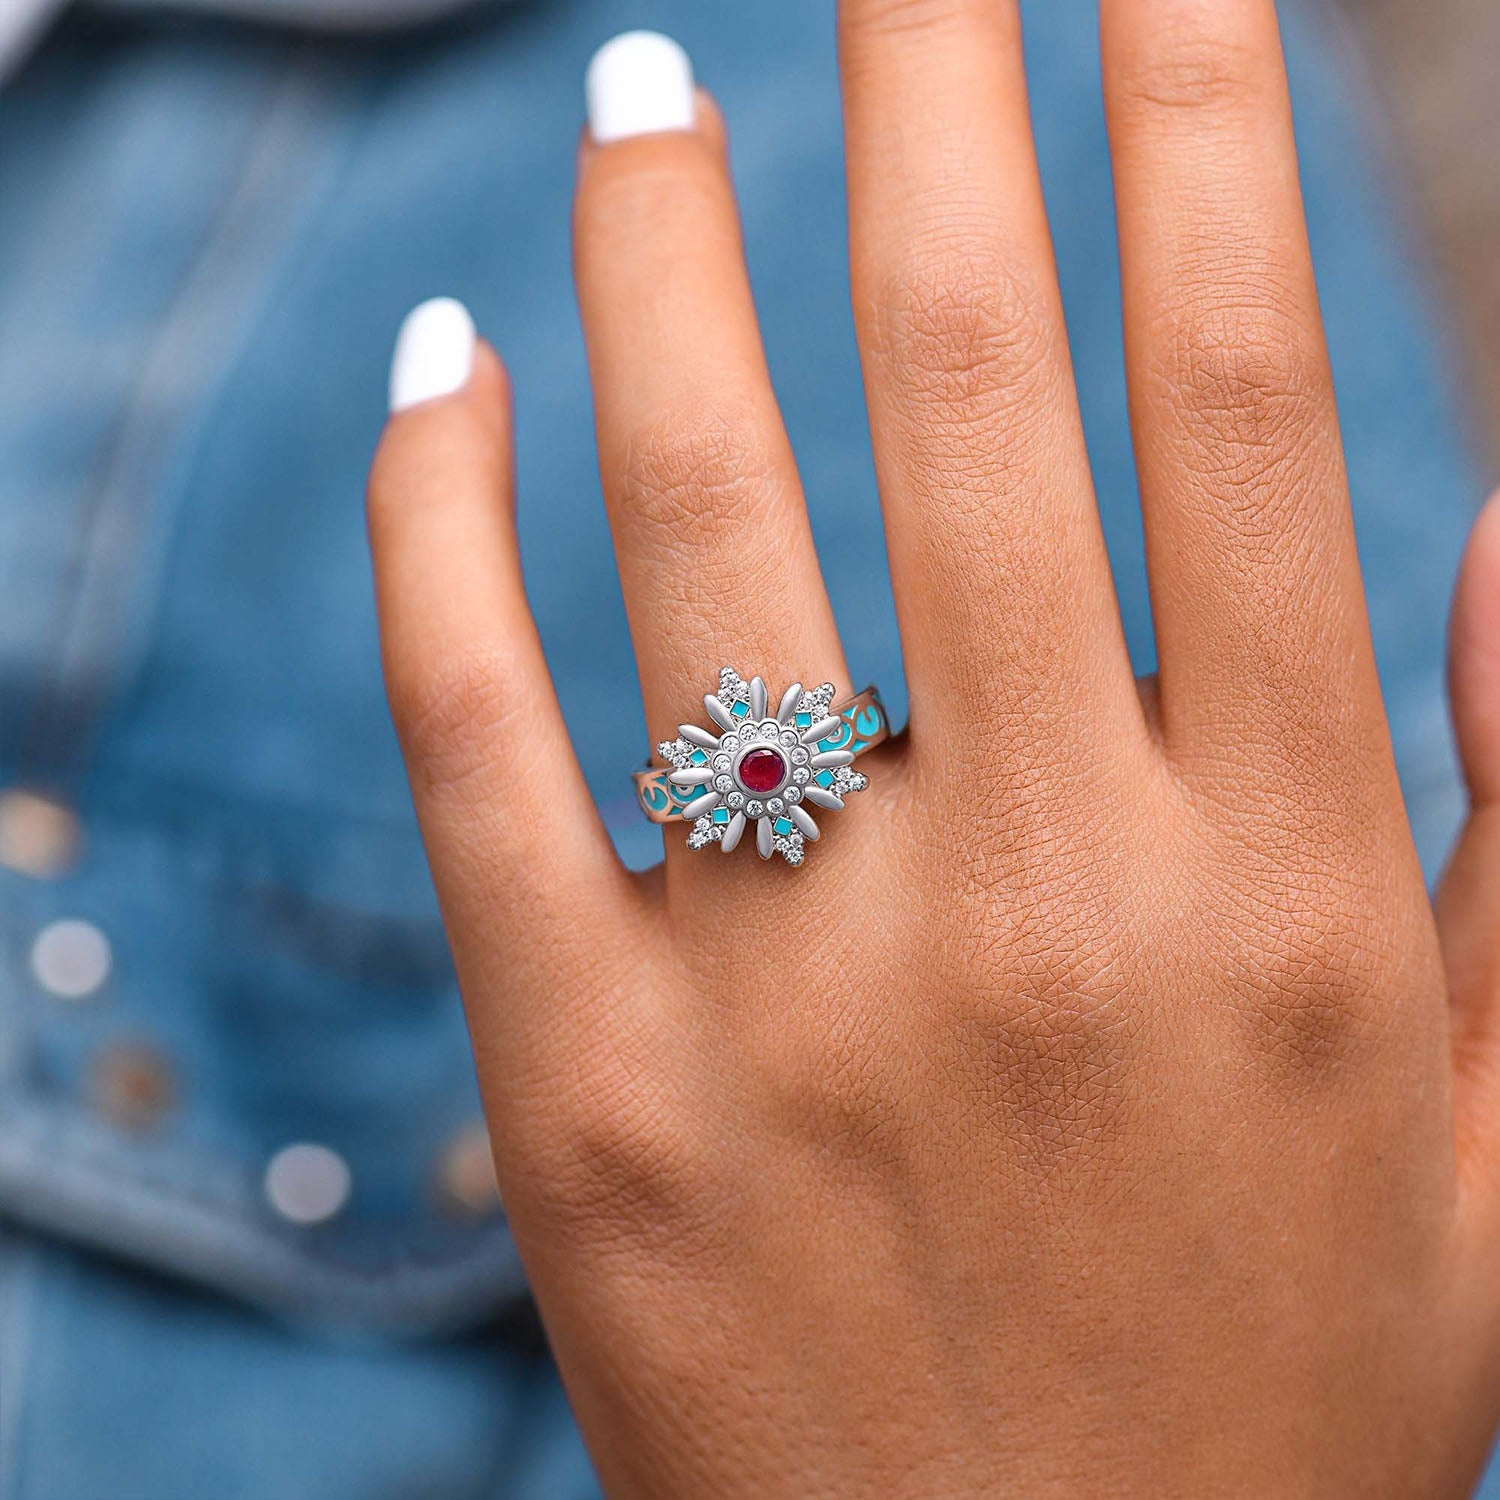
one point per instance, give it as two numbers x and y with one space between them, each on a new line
250 1243
1434 70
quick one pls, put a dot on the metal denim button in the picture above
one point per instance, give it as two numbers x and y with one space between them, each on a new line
38 837
465 1175
132 1085
71 959
307 1183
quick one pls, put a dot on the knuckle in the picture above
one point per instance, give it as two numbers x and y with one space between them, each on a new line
620 1163
1246 382
1055 1056
1317 977
1197 71
698 477
960 333
1052 1028
837 1071
653 200
451 715
897 17
1311 1033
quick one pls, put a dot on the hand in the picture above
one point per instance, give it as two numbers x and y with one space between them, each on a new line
1103 1108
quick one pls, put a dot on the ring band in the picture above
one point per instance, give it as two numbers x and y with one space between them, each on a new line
755 768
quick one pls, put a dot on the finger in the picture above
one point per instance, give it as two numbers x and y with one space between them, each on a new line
516 847
1259 610
715 552
1002 582
1468 898
1475 661
1468 901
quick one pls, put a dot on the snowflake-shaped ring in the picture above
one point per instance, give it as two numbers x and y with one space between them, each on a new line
768 769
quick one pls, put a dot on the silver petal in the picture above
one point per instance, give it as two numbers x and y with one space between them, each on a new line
700 805
803 819
819 798
819 730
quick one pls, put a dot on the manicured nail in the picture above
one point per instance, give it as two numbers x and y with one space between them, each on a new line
639 83
434 353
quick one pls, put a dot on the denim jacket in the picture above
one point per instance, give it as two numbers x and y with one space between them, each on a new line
249 1245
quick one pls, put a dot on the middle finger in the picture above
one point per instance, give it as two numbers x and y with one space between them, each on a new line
1002 582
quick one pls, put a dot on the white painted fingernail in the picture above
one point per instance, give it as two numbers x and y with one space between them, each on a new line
639 83
434 353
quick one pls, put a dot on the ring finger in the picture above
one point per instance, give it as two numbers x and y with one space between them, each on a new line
715 551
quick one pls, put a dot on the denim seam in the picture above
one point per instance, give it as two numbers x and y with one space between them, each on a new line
186 361
166 1220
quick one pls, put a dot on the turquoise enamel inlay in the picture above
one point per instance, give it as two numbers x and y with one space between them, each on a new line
698 758
824 779
740 709
804 721
840 738
865 723
721 816
783 826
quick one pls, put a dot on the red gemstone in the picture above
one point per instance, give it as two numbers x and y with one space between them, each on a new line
762 771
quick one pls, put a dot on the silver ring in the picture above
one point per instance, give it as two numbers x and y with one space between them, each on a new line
767 769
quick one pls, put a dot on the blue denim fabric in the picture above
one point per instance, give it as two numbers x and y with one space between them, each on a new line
208 235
